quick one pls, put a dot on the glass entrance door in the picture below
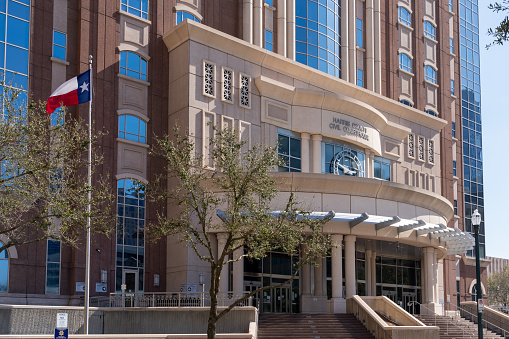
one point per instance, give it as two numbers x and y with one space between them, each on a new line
282 300
409 299
253 286
130 280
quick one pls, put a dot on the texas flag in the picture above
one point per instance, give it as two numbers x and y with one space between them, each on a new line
72 92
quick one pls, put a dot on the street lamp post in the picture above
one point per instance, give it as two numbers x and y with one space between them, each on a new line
476 221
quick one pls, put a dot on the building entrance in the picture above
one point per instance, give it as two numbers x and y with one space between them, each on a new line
273 270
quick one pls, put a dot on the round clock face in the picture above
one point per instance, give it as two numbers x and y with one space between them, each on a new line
347 163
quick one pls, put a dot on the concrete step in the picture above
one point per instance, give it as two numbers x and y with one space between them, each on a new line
310 326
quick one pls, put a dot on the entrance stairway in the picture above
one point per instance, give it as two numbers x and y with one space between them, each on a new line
311 326
463 329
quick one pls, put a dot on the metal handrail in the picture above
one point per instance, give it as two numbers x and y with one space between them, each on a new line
484 321
168 299
444 318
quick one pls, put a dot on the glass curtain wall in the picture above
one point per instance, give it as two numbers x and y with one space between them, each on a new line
318 38
14 44
471 117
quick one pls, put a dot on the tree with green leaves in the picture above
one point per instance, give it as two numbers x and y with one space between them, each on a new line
500 33
43 177
498 288
241 186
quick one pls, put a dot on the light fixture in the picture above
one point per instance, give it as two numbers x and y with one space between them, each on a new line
476 221
202 278
156 280
104 276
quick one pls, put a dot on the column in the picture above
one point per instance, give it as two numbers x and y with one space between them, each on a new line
373 272
306 275
370 61
223 281
429 283
281 27
368 273
290 29
350 279
337 266
371 160
317 153
344 41
238 270
352 51
258 26
304 140
378 52
319 278
247 21
367 165
435 276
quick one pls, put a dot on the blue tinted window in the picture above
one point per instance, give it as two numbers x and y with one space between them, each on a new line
136 7
132 128
360 77
53 267
430 112
359 33
181 16
17 32
429 30
268 41
318 34
133 65
406 102
451 45
130 230
4 270
268 2
59 45
405 63
382 168
404 16
18 10
430 74
289 153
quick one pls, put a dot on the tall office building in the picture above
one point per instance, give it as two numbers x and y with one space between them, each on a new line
365 100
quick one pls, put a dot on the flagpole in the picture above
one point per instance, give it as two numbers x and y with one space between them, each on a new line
87 264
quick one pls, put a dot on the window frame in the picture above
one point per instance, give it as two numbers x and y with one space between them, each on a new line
290 135
359 32
139 135
384 163
53 262
407 20
405 62
142 14
430 74
360 77
126 69
430 30
7 259
266 42
59 46
180 17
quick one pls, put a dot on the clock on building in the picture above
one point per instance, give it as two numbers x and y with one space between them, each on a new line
346 162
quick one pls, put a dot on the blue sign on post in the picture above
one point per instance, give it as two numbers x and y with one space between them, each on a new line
61 334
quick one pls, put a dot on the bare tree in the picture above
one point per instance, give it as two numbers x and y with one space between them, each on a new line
242 186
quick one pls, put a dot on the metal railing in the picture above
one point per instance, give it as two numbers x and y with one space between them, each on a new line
169 299
488 321
449 324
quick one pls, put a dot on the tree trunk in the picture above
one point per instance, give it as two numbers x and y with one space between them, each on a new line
211 326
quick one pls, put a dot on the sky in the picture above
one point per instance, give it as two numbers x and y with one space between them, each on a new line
495 128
